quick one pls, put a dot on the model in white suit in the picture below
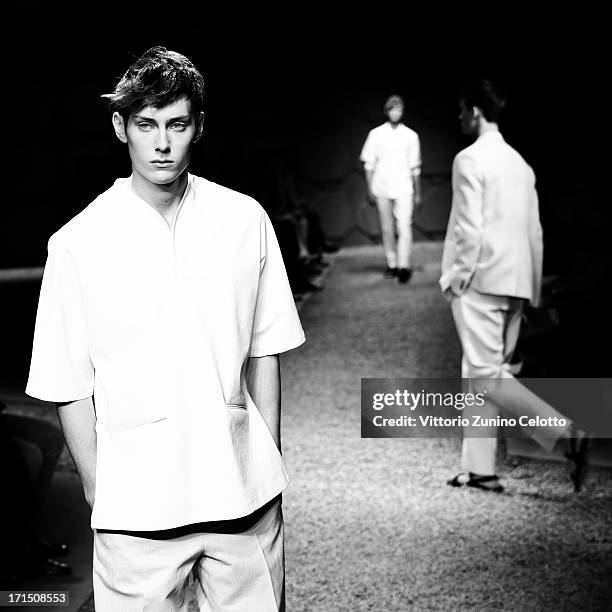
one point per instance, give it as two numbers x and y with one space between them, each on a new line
492 265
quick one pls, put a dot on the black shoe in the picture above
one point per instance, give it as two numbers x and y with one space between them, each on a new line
484 483
579 454
328 247
404 275
390 273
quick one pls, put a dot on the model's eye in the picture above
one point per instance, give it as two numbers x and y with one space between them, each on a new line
145 127
179 126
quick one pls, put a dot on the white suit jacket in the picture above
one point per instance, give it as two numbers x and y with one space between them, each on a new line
494 238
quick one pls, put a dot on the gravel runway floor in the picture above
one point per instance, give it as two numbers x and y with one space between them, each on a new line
370 524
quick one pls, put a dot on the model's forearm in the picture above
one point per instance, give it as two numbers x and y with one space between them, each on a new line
263 383
369 174
416 179
78 421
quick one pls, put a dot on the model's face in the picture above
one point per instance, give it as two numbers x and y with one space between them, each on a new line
395 114
467 118
159 140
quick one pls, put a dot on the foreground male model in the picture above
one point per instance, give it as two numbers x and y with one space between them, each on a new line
163 308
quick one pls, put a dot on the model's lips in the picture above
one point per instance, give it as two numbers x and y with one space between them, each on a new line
162 162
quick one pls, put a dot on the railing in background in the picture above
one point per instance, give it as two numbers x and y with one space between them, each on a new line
17 337
20 275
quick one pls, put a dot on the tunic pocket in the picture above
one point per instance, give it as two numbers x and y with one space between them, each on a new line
115 429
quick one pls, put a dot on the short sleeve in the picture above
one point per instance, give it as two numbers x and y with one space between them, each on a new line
61 368
277 326
368 153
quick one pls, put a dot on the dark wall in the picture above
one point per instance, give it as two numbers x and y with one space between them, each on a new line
301 87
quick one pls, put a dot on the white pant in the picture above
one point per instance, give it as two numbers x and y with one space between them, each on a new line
488 327
400 210
237 565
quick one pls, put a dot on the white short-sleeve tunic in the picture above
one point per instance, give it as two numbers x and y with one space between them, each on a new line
157 323
394 156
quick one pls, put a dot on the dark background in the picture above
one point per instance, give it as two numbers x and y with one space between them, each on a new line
278 81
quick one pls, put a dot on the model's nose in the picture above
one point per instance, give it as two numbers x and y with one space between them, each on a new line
163 143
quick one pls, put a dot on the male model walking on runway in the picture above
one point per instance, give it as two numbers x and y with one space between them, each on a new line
392 163
491 266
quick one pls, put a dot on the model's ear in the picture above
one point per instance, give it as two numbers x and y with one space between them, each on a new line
199 121
476 112
119 126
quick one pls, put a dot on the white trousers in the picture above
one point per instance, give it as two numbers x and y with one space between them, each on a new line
488 327
396 213
236 565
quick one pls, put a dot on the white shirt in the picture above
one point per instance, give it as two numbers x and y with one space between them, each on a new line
494 237
394 156
157 324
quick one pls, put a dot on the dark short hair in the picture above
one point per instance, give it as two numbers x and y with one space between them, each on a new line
157 78
392 102
488 97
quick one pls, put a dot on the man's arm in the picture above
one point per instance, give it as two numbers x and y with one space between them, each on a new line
78 421
536 245
468 230
368 157
263 383
369 174
416 181
416 172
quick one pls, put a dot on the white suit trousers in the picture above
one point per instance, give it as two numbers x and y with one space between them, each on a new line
237 565
400 211
488 327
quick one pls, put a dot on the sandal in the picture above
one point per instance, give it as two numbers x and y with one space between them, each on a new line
477 482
